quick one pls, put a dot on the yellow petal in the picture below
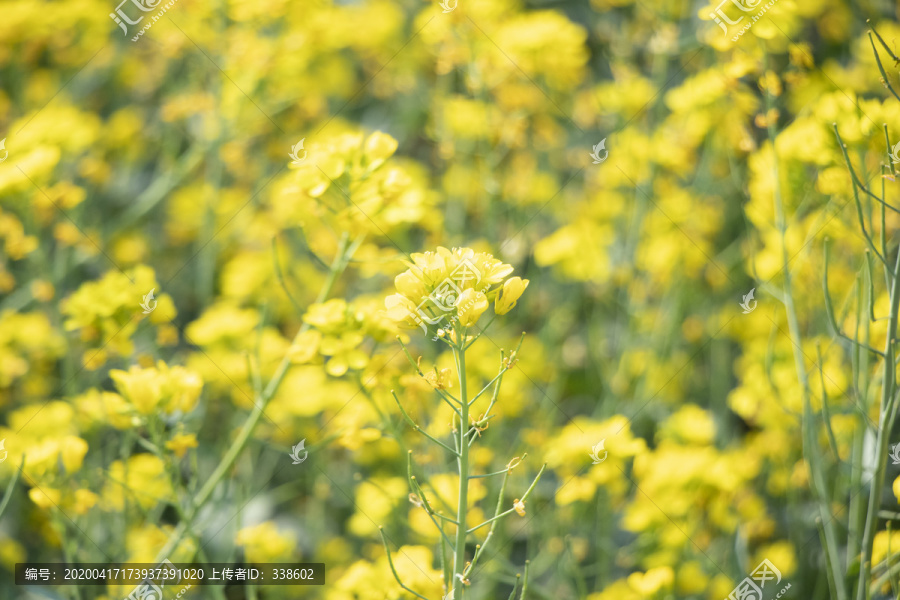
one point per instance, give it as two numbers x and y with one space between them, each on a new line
470 306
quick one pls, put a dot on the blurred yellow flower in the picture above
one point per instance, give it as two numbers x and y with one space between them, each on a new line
142 478
181 442
162 387
45 497
141 387
265 542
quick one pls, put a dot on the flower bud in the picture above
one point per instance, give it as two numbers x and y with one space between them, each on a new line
509 294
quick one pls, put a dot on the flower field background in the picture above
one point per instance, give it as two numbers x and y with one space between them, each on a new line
217 234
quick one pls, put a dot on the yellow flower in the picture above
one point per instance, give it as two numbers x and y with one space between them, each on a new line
44 497
442 286
84 501
167 388
181 387
142 477
71 451
42 290
519 505
265 543
509 294
141 387
409 285
329 316
441 380
181 442
305 347
470 306
651 582
379 147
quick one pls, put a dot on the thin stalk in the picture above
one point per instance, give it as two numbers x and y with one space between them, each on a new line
524 497
884 76
393 570
10 486
344 253
459 561
855 178
480 549
886 422
448 398
420 430
809 442
826 414
525 581
512 594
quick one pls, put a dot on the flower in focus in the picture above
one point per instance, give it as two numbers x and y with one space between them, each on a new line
450 285
469 307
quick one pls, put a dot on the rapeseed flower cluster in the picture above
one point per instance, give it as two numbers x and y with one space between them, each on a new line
451 285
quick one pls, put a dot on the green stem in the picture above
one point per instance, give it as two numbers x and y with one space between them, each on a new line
459 561
885 424
387 550
419 429
810 450
525 497
342 257
12 484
